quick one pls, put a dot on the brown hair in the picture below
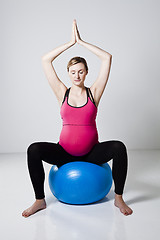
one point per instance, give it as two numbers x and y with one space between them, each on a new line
76 60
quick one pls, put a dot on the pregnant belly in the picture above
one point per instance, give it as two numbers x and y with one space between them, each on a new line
78 140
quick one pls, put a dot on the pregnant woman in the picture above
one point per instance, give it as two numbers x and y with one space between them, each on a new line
79 136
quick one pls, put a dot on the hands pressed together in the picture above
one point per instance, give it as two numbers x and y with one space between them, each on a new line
75 33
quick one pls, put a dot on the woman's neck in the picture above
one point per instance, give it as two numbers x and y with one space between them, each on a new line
77 89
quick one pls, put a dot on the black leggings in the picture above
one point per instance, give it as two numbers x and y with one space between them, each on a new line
53 153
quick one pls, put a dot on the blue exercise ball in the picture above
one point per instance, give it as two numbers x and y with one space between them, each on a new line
80 182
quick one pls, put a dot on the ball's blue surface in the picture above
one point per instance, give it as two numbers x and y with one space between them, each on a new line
80 182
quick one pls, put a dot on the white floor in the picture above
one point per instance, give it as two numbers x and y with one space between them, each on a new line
96 221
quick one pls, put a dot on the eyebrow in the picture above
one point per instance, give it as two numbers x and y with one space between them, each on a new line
79 70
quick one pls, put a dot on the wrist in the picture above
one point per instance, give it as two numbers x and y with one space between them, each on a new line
71 43
80 41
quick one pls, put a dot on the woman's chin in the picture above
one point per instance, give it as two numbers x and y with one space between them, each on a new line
77 82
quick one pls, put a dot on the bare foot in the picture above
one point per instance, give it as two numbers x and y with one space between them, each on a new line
119 202
37 206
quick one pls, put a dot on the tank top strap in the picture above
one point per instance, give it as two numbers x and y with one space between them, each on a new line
87 92
92 99
66 95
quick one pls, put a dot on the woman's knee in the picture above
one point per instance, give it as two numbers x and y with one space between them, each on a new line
33 148
120 147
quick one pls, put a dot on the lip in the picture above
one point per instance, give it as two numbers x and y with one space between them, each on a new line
77 80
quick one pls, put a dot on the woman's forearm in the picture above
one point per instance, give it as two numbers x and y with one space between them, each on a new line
50 56
96 50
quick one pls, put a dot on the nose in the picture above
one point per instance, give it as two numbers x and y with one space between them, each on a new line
77 75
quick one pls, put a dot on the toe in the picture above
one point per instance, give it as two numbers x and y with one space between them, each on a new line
23 214
130 211
126 211
123 211
27 215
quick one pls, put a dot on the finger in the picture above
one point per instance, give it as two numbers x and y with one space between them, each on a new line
73 28
77 32
74 22
76 28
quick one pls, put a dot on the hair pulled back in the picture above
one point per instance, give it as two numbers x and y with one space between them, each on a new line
76 60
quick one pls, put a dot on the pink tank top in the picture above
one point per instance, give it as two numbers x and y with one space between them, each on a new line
79 133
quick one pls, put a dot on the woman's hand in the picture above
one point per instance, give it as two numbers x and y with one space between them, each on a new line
78 38
73 38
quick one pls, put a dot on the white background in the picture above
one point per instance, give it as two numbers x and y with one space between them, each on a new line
129 30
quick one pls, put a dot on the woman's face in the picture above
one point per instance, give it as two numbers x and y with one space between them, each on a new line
77 73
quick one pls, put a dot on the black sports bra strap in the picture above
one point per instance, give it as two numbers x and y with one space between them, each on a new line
91 96
66 95
87 92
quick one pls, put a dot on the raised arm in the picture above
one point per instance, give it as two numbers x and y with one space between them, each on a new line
56 84
106 58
